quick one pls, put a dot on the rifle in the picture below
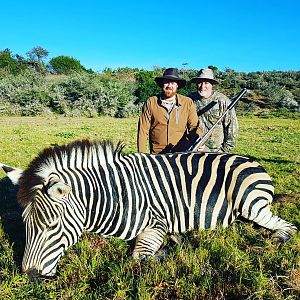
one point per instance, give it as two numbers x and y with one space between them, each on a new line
201 140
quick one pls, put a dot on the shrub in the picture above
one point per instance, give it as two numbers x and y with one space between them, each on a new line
92 94
146 86
11 86
289 102
273 93
65 65
58 103
117 99
8 63
75 95
119 93
25 94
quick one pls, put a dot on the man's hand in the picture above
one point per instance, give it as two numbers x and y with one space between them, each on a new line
203 148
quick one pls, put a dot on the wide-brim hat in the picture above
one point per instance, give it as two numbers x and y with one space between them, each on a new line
170 74
205 75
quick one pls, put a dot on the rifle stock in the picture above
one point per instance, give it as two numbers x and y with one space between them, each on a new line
203 139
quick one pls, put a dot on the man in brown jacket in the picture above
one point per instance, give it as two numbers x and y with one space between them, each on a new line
169 121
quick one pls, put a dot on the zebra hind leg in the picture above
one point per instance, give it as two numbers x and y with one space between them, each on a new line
264 217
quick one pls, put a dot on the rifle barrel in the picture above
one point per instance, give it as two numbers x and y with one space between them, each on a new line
202 140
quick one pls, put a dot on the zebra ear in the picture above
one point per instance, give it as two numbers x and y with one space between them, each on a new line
13 174
59 190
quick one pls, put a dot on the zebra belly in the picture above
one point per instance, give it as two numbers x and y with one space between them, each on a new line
203 215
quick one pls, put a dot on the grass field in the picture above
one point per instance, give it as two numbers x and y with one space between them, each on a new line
240 262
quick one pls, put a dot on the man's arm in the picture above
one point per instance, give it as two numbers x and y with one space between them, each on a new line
144 127
193 124
193 121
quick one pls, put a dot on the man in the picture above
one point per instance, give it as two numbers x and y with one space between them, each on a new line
169 119
210 106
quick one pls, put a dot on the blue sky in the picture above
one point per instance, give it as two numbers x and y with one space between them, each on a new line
242 35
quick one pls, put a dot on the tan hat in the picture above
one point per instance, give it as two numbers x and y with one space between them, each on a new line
205 75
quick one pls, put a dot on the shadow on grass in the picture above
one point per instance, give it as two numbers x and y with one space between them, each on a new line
272 160
11 219
287 198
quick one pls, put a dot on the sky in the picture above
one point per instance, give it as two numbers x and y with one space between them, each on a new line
246 36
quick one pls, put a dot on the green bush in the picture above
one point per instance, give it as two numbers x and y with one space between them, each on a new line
65 65
91 94
8 63
25 94
26 90
146 86
81 94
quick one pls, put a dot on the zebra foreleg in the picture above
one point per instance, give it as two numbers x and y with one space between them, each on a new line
148 242
264 217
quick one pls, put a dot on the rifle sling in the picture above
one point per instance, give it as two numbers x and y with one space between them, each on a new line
206 108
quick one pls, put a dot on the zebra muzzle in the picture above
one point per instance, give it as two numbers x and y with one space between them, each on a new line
33 275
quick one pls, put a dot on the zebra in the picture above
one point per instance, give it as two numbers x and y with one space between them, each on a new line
93 186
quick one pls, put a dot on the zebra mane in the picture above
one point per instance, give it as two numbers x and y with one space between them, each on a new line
44 164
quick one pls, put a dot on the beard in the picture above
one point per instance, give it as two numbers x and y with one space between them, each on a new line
168 93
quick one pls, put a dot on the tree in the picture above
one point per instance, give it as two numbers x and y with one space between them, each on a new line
37 53
36 58
65 65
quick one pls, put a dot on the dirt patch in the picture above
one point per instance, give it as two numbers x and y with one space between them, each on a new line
294 279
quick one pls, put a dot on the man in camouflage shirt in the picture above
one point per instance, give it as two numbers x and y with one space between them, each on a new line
210 106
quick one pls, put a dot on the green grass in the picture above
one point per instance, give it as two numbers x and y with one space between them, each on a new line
240 262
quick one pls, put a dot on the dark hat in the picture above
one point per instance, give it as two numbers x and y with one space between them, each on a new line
205 75
170 74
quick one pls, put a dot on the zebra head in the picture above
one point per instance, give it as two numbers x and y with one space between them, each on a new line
48 217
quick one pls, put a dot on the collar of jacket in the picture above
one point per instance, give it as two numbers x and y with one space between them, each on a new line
177 97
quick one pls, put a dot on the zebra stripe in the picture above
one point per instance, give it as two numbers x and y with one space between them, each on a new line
95 187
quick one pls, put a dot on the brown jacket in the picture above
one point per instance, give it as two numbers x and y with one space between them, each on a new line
161 131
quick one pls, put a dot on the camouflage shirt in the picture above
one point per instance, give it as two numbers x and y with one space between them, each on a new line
224 136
